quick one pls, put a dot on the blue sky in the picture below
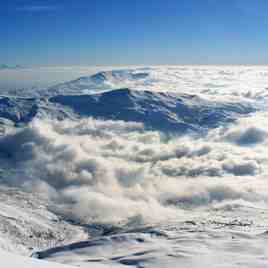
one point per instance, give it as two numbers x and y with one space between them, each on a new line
111 32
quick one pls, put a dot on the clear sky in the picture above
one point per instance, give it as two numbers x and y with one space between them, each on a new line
139 32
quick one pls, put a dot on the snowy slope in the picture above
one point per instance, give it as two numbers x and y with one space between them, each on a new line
156 110
192 244
18 110
27 223
9 260
14 261
98 82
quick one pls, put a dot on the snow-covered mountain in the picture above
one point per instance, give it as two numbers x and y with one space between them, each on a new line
101 81
163 111
156 110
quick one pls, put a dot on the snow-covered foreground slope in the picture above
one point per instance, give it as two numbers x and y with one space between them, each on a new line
14 261
9 260
189 244
93 171
27 224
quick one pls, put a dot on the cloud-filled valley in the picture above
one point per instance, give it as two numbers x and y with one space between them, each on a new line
113 170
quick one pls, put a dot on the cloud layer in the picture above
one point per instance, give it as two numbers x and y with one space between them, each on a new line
110 171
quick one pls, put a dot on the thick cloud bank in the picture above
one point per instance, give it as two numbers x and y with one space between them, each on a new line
108 171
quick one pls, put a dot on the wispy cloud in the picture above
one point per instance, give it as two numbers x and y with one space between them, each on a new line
38 8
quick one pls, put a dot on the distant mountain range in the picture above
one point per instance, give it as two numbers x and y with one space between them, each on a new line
10 67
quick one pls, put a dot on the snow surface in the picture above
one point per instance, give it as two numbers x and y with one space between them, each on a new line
13 261
158 110
91 173
26 224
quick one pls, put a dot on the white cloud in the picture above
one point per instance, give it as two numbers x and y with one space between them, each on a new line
111 170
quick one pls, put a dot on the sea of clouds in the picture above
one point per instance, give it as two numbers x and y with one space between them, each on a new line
112 171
